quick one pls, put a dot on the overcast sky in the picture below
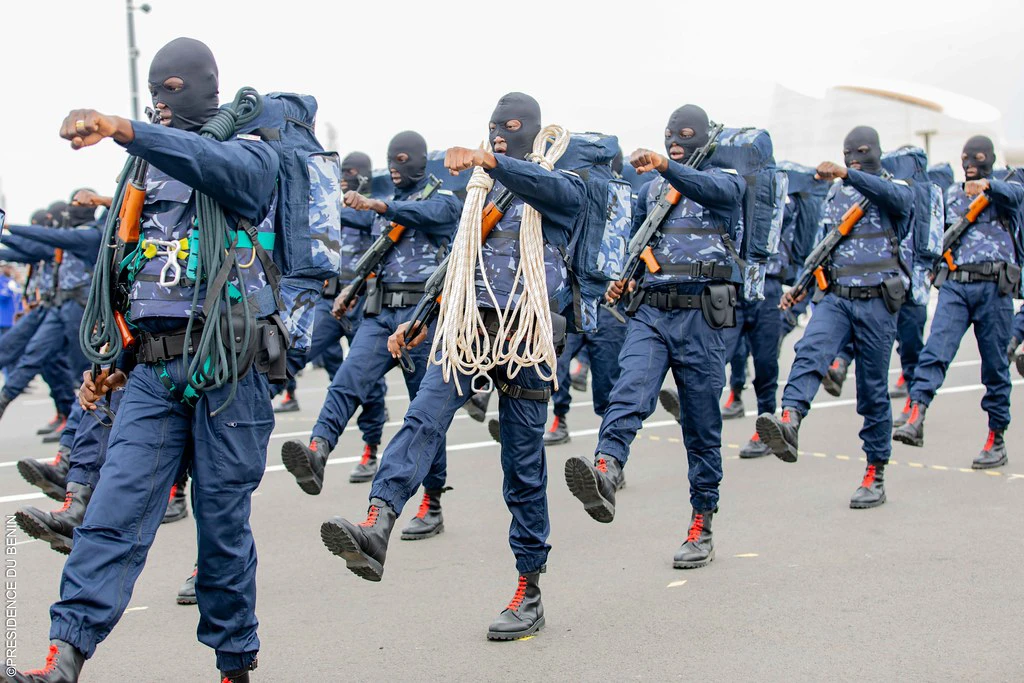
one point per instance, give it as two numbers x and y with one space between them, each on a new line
379 67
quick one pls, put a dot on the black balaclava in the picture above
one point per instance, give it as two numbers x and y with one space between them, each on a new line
522 108
58 214
863 136
414 169
360 163
192 62
40 217
982 144
80 215
687 116
617 164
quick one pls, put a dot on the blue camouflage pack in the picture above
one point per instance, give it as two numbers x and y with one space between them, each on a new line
922 247
597 252
308 226
749 152
941 175
806 200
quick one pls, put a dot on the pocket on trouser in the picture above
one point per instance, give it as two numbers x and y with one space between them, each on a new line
237 452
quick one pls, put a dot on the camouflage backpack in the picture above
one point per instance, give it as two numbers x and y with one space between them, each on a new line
597 250
307 227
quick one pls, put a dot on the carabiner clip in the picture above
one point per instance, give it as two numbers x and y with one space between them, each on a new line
171 265
482 388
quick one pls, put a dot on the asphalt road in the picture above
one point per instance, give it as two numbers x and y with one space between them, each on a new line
927 587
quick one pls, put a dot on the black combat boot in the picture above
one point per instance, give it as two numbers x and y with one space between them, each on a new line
306 463
4 402
428 520
578 379
187 592
871 492
477 404
595 485
363 546
494 429
781 434
57 527
669 399
63 665
177 506
699 547
911 432
289 404
238 675
559 432
525 613
834 377
904 415
755 448
994 452
58 421
54 436
365 470
733 407
899 390
51 476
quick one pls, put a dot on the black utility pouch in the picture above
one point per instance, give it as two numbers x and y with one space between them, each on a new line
718 304
271 358
1009 279
894 293
233 325
558 326
374 298
332 287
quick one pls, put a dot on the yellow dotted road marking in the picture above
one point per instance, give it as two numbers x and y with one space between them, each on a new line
939 467
842 457
676 584
915 464
747 555
820 455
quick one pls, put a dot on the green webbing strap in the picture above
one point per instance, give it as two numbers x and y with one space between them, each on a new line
188 397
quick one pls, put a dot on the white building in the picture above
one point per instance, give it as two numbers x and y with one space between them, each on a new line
808 126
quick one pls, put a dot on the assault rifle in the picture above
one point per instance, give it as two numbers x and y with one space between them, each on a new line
366 266
952 236
640 245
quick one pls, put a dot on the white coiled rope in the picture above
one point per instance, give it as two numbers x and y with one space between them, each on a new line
524 337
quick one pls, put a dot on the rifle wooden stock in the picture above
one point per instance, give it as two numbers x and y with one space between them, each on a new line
127 338
979 204
131 213
850 218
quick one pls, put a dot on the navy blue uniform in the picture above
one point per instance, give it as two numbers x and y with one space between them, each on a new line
863 259
154 431
558 197
601 349
679 340
993 239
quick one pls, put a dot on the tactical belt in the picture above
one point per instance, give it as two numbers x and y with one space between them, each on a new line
501 380
977 272
401 295
888 265
671 301
79 294
870 292
705 269
153 348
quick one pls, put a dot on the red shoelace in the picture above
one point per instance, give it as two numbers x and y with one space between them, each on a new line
424 506
785 416
367 455
869 477
371 516
729 401
835 365
517 599
174 490
312 445
696 528
51 663
914 412
68 497
906 406
56 459
602 466
554 425
902 381
991 440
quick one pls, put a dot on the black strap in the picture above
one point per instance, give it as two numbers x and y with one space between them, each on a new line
864 268
154 348
688 230
671 301
869 292
270 268
505 386
706 269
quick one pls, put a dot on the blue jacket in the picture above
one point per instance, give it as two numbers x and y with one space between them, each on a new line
691 233
996 234
239 174
558 196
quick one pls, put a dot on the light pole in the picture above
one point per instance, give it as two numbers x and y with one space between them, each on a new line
133 53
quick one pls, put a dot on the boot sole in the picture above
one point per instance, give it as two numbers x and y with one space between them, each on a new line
751 455
679 564
583 485
53 437
908 440
771 434
340 542
475 413
831 388
419 537
29 472
354 479
500 635
987 466
494 429
289 409
734 414
169 519
558 442
41 532
186 601
865 506
670 403
293 455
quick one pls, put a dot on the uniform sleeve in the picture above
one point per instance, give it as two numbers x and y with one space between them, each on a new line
1006 195
358 220
559 197
239 174
82 242
896 199
438 215
721 191
16 256
29 248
